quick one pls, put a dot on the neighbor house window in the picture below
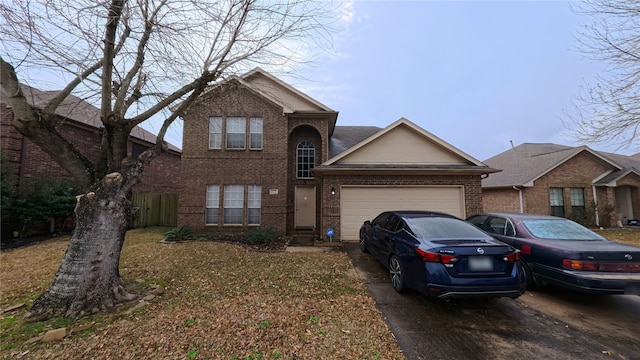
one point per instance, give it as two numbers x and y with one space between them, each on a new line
253 204
556 200
305 159
212 204
577 204
215 133
236 132
255 134
233 204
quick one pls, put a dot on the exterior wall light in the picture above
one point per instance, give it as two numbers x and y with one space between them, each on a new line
333 190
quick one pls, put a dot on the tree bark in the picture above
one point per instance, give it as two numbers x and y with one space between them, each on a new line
88 277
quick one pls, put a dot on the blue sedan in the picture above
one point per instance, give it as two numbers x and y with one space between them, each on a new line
442 256
559 251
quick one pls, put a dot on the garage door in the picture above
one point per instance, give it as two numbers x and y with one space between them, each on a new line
358 204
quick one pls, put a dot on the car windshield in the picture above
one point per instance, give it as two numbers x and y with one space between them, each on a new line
444 228
559 229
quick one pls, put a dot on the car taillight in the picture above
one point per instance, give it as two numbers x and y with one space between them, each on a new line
513 257
428 256
580 265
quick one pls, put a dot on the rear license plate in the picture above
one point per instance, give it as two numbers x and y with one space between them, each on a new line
480 263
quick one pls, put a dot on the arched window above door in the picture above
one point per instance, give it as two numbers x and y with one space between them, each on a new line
305 159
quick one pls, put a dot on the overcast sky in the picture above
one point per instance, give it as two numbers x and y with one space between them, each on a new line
476 74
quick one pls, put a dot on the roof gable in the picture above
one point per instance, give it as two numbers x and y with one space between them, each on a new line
291 99
415 145
525 163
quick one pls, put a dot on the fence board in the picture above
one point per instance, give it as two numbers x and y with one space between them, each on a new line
155 209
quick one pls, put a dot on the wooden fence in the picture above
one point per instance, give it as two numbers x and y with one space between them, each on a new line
154 210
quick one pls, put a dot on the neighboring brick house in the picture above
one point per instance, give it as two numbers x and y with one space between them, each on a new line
574 182
258 152
82 127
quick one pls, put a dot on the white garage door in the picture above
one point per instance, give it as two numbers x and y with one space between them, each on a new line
358 204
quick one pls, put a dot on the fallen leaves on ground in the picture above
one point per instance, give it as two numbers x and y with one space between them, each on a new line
220 301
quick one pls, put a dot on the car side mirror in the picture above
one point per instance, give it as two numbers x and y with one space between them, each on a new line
367 222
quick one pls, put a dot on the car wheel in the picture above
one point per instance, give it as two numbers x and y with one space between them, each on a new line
396 274
363 242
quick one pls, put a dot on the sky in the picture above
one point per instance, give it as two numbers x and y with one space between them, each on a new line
479 75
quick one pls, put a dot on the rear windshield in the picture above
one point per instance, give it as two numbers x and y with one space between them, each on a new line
559 229
444 228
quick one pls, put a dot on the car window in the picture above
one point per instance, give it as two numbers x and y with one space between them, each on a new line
403 226
510 230
497 225
392 223
477 220
444 228
381 220
559 229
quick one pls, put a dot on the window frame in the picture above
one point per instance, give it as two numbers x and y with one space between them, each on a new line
215 137
235 129
255 132
305 150
557 209
254 204
578 203
233 196
212 204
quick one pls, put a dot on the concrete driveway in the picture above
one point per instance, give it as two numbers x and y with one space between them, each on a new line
428 328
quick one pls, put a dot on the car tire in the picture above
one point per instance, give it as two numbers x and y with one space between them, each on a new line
397 274
363 242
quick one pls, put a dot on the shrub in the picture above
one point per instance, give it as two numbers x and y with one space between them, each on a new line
182 233
39 201
262 236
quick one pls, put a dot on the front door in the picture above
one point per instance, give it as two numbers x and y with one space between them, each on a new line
305 216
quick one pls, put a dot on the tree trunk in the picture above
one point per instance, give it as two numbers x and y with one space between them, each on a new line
88 278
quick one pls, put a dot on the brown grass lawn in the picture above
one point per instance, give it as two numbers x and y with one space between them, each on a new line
220 301
625 235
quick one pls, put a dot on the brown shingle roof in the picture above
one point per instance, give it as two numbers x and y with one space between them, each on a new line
527 162
80 111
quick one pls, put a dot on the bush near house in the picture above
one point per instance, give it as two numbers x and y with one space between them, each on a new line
30 209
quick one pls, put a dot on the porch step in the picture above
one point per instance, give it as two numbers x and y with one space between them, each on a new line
301 240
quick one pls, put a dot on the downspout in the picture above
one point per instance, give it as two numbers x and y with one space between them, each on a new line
595 203
521 202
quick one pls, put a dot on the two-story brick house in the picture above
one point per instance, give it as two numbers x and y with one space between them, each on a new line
573 182
258 152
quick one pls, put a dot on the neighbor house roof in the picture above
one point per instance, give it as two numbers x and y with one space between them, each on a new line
80 111
525 163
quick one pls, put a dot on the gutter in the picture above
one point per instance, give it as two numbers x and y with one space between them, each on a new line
595 202
520 195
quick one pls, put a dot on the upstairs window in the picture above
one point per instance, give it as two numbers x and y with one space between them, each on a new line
255 133
236 132
556 200
215 133
305 159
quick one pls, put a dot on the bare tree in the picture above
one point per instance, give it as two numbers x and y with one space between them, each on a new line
137 59
609 111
